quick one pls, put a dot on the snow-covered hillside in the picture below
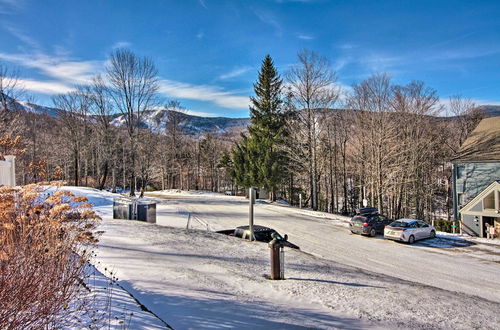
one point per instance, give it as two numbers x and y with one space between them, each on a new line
193 125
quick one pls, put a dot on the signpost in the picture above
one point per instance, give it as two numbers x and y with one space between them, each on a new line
251 197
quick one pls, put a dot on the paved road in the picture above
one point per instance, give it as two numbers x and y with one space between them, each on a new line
473 270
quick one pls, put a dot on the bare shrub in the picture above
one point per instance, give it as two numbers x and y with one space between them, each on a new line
45 244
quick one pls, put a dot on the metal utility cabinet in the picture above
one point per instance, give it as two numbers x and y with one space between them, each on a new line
134 209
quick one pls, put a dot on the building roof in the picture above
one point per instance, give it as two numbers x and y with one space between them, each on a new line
483 143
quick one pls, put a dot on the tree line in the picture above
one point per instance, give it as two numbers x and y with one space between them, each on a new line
375 143
378 143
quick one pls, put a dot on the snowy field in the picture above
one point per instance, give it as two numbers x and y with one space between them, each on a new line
199 279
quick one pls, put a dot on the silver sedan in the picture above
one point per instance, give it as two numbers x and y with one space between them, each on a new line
409 230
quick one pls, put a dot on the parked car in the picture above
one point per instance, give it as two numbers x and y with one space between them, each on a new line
409 230
368 221
261 234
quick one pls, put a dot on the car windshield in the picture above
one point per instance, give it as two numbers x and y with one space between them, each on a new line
401 224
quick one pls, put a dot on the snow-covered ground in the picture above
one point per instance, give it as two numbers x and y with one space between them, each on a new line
199 279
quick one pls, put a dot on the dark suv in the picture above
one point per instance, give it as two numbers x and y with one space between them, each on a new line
368 221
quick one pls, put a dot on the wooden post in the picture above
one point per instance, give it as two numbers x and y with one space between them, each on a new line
275 262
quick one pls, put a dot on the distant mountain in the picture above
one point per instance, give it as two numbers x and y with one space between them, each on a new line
30 107
490 110
192 125
157 119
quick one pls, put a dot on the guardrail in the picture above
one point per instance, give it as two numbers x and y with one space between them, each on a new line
200 221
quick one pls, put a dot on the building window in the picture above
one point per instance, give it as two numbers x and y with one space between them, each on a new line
460 199
460 171
489 201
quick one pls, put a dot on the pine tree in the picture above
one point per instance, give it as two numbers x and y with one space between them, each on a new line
259 159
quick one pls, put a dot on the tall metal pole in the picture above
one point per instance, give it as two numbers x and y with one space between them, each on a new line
251 198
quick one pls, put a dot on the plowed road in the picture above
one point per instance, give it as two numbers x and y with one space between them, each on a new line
472 269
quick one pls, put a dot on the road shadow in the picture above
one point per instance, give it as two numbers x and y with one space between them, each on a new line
334 282
444 243
210 310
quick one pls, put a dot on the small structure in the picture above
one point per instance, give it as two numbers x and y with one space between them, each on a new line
134 209
8 171
476 169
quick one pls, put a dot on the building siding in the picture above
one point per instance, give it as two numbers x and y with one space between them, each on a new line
470 225
469 179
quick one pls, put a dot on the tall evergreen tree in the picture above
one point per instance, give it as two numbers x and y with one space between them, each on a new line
259 159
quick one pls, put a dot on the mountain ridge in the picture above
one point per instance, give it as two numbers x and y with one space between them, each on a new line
191 124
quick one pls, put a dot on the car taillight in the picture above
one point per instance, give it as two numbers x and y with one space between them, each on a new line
365 224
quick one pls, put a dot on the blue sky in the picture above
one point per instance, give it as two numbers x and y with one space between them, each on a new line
208 52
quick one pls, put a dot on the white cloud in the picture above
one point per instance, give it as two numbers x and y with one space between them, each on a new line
121 44
202 3
10 6
305 36
60 68
213 94
64 73
270 19
44 87
19 34
200 113
235 72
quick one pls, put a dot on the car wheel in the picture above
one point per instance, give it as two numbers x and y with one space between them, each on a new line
411 239
352 232
373 232
433 234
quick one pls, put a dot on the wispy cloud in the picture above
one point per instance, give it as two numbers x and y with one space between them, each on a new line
200 113
200 35
269 19
209 93
45 87
303 1
203 4
19 34
305 36
64 73
235 72
60 68
121 44
10 6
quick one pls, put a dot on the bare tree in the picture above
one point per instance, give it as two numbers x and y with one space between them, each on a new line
311 83
72 112
11 88
134 86
467 116
372 99
174 134
102 109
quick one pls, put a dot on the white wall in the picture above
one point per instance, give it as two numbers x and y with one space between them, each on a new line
8 171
